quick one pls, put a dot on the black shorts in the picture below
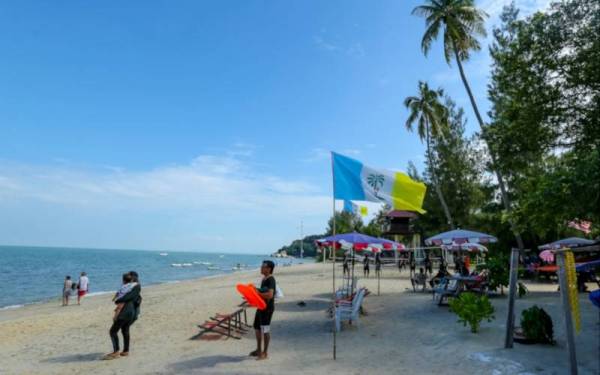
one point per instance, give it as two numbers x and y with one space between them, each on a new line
262 318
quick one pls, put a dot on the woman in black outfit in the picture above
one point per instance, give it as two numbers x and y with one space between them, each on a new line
129 314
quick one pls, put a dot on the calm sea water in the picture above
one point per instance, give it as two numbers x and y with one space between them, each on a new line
36 274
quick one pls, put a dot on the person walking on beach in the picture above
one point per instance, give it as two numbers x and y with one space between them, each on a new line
378 265
66 290
428 265
82 287
346 267
125 317
262 319
366 266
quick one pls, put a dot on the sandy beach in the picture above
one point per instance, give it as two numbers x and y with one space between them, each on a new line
403 332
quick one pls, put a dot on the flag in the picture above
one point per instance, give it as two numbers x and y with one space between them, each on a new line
581 225
354 208
354 181
349 206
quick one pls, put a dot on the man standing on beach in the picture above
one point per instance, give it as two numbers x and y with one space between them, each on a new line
262 319
82 287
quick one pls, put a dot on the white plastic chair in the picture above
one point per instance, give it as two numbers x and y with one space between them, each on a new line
349 312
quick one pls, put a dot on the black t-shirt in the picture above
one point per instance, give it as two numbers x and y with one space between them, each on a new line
265 285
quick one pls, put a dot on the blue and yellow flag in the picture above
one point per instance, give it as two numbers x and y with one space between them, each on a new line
354 181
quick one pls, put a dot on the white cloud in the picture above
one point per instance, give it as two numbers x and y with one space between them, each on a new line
355 49
325 45
219 196
316 154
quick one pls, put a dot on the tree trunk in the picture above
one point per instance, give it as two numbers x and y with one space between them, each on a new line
437 185
505 198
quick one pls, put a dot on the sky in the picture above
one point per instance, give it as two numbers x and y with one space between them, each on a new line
204 126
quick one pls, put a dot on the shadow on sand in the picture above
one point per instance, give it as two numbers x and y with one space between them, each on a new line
205 362
73 358
310 305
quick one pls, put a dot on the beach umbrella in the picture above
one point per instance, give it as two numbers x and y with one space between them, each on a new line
566 242
468 246
359 241
588 266
547 256
460 236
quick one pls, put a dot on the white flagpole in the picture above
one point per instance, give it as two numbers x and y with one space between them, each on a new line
333 262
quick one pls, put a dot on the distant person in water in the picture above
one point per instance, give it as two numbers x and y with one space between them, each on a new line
66 290
127 314
82 287
262 319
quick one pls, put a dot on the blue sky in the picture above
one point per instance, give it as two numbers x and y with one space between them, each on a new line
203 125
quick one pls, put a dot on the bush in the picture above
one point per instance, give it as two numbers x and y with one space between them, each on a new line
498 266
472 309
537 325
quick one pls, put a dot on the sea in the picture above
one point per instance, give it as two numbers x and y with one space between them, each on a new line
36 274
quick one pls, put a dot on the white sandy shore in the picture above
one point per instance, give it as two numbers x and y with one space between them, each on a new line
404 332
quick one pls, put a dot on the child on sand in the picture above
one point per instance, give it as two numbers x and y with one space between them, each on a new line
127 286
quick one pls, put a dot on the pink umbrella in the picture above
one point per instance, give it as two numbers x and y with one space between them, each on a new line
547 255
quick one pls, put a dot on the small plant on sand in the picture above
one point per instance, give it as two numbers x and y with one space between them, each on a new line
472 309
537 325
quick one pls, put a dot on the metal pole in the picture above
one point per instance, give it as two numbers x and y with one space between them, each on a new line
512 291
333 263
378 277
334 307
564 294
301 240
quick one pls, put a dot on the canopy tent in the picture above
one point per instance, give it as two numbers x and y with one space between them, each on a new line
460 236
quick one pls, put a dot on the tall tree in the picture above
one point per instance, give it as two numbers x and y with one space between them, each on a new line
431 119
545 115
462 23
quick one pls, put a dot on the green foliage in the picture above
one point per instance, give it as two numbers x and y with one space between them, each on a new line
460 23
308 246
545 115
345 222
472 309
431 117
498 267
537 325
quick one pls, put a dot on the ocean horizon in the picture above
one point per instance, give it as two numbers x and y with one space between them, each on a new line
35 274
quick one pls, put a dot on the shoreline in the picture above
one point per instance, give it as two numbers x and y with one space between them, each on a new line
58 299
218 274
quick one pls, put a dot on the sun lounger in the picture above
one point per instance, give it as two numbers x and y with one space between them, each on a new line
228 325
448 287
350 311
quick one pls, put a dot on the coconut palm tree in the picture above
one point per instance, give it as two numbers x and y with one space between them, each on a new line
461 24
431 118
